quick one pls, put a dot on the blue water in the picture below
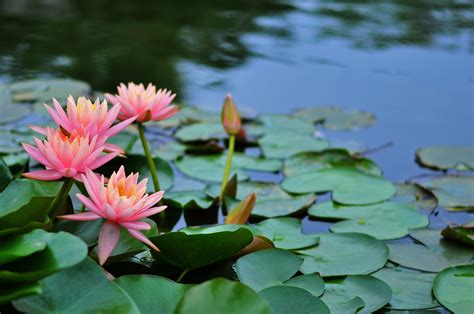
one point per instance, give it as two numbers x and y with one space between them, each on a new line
409 62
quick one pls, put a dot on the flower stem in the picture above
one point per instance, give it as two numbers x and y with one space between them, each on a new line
60 198
149 158
228 163
182 275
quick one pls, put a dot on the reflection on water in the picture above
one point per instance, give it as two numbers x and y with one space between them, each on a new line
105 42
408 61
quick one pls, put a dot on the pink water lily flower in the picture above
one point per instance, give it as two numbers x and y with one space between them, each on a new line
66 155
122 203
87 117
146 103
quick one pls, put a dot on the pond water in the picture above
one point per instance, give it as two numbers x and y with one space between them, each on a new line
408 62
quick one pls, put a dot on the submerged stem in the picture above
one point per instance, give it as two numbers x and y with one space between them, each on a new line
182 275
149 158
228 163
60 198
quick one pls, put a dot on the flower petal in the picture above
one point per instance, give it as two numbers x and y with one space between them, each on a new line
85 216
137 225
141 237
108 238
45 175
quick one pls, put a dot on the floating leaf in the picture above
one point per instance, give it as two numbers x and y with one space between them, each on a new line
453 288
411 291
309 161
152 294
12 248
203 131
25 201
267 268
188 200
415 195
279 123
41 90
348 185
383 221
453 192
221 296
446 158
189 114
340 291
211 168
344 254
196 247
463 234
287 299
62 250
286 144
13 292
312 283
285 233
453 252
87 231
335 118
84 288
5 175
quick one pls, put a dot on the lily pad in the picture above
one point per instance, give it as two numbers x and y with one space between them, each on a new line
189 114
203 131
5 175
197 247
91 292
286 144
267 268
411 290
287 299
41 90
13 248
453 192
278 123
453 288
309 161
211 168
344 254
142 289
335 118
285 233
383 221
446 158
348 185
62 250
13 292
374 292
312 283
415 195
188 200
461 233
453 252
220 295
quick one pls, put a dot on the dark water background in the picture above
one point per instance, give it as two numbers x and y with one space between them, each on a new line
408 61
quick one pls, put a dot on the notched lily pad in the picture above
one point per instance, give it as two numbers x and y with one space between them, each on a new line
348 185
460 233
286 144
287 299
453 288
446 158
415 195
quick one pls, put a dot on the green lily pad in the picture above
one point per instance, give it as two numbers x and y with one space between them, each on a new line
279 123
221 296
13 292
374 292
12 248
125 140
170 150
5 175
41 90
211 168
142 290
383 221
453 192
446 158
192 248
188 200
285 233
453 288
138 163
343 254
313 283
203 131
285 144
411 290
87 231
453 252
25 201
84 288
10 142
62 250
415 195
348 185
309 161
187 115
286 299
461 233
335 118
267 268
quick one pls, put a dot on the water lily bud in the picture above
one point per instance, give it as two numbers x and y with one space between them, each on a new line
230 116
241 213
